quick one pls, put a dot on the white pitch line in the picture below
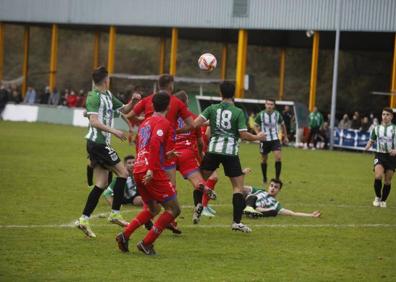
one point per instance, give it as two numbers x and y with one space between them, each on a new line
352 225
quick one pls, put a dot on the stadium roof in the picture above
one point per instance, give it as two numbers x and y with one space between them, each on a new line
365 24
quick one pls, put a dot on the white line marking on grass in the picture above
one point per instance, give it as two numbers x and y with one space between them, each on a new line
363 225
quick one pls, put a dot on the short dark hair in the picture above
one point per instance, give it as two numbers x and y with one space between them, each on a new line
277 181
164 81
182 95
227 89
270 100
161 101
129 157
99 74
388 110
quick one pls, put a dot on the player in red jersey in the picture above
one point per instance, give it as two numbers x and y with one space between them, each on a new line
152 181
189 154
176 109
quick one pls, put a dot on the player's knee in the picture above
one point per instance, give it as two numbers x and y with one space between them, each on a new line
175 210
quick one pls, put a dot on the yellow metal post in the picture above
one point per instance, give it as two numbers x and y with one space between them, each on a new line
241 63
2 30
162 55
173 54
111 51
224 53
25 66
314 72
393 84
282 61
96 50
54 56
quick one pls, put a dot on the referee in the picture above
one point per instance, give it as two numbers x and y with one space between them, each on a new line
384 135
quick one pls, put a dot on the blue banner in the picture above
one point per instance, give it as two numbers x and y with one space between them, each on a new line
351 139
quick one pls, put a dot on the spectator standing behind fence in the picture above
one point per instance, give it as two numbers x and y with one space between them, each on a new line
251 122
44 97
3 99
373 124
54 97
355 124
287 118
30 97
315 120
82 98
15 97
345 123
72 99
365 125
63 98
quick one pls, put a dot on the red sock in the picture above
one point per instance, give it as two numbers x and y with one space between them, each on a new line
143 217
164 219
210 183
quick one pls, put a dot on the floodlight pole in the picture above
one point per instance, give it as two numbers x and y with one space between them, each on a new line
335 73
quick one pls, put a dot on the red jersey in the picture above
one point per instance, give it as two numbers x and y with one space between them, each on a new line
204 138
187 140
153 138
176 109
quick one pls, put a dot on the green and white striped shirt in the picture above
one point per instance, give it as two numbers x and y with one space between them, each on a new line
384 136
105 105
265 200
269 124
226 121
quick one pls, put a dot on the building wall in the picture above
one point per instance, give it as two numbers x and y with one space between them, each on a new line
357 15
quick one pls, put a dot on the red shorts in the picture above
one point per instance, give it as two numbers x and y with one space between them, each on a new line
187 163
159 189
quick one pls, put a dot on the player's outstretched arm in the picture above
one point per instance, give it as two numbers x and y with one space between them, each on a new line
94 121
198 122
303 214
251 137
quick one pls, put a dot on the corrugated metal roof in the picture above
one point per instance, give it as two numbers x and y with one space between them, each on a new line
357 15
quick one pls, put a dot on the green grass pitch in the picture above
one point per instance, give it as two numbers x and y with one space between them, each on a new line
43 190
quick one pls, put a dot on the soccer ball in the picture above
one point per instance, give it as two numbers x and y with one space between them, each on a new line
207 62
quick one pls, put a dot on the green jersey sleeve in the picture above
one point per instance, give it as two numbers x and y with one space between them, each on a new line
373 135
257 120
117 104
255 190
206 113
241 122
93 103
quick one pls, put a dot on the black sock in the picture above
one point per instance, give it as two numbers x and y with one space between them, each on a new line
118 191
92 201
238 203
251 201
89 175
377 187
110 178
197 195
278 168
264 171
385 192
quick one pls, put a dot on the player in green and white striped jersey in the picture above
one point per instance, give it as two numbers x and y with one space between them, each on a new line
260 203
101 107
227 124
384 135
270 121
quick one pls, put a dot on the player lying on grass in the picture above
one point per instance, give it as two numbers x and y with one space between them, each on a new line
260 203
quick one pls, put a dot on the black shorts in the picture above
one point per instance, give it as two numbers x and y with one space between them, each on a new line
101 154
269 146
387 161
231 164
